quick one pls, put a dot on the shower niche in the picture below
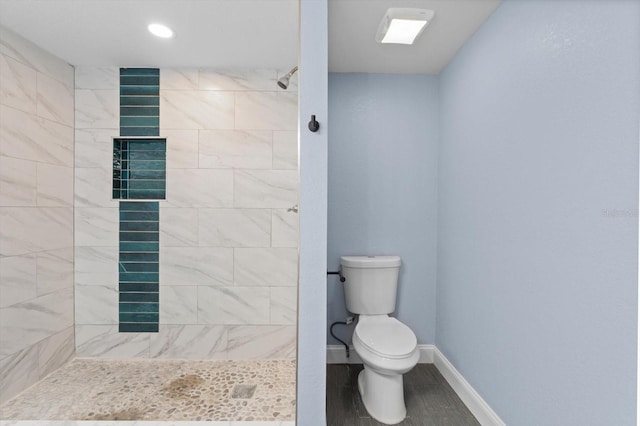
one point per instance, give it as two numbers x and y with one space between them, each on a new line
139 168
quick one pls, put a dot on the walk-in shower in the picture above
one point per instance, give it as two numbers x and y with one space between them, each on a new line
148 269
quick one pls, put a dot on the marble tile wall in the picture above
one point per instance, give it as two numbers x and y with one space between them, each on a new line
36 213
228 244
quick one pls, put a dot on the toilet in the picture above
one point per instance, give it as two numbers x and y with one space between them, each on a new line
387 347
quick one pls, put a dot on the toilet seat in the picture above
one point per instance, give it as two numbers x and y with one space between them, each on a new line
386 336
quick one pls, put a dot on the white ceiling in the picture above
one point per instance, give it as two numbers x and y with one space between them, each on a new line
237 33
353 25
208 33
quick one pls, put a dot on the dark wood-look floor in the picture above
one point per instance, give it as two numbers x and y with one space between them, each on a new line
429 398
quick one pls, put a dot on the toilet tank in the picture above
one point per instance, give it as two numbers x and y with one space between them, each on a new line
371 283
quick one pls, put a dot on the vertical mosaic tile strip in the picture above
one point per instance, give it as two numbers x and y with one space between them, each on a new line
139 102
138 265
139 173
139 169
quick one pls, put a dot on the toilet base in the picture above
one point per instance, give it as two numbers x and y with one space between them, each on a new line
382 395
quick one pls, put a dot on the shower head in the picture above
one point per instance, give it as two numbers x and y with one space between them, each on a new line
284 81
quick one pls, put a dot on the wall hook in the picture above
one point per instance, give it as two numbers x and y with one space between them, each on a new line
313 124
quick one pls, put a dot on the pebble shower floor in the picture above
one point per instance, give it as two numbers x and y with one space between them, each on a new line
92 389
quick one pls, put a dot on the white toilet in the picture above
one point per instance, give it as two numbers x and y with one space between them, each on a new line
387 347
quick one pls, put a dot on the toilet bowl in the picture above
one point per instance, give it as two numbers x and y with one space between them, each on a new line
388 349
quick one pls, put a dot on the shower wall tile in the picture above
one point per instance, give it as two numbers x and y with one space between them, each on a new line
272 267
27 53
238 80
54 185
261 342
26 323
228 247
29 137
55 100
93 188
55 270
265 188
179 78
97 108
199 188
222 149
283 302
178 304
233 305
210 305
55 351
234 227
96 226
104 341
285 150
284 228
266 110
18 182
289 101
196 266
25 230
94 148
182 148
18 371
97 78
16 235
96 304
36 212
196 109
189 342
96 265
17 85
179 227
246 305
18 281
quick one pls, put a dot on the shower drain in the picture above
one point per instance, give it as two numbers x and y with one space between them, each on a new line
243 391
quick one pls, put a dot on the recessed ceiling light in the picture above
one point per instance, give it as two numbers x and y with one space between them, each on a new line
160 30
403 25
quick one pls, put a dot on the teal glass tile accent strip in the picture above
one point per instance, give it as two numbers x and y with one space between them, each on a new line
137 91
138 327
133 287
139 207
136 121
126 246
133 307
138 318
138 264
139 101
138 297
139 168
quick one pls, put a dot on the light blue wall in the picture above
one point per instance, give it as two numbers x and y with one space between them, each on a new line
382 186
536 270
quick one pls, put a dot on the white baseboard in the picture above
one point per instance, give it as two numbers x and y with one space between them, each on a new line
474 402
429 354
336 354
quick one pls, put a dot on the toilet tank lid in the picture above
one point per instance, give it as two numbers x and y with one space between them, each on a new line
370 261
